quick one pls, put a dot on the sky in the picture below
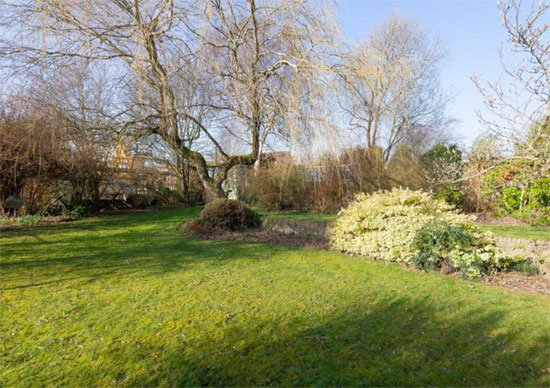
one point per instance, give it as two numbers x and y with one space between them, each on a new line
471 31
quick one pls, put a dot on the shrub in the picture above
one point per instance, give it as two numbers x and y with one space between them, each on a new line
279 189
435 243
77 211
531 203
227 214
463 248
443 162
27 220
330 181
139 201
6 221
452 196
155 195
521 264
405 169
385 225
165 196
513 193
328 195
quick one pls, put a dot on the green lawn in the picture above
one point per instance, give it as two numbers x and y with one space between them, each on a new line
126 301
529 232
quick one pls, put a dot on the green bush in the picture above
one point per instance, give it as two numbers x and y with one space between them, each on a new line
386 224
452 196
27 220
513 194
444 155
462 248
521 264
531 204
77 211
227 214
6 221
435 243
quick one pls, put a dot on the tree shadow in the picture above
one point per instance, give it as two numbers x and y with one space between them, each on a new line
125 260
114 247
102 222
401 342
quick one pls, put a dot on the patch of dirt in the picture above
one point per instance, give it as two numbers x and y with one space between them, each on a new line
277 239
259 235
520 282
44 222
489 219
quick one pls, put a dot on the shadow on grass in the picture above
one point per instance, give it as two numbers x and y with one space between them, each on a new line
142 244
125 260
401 342
112 246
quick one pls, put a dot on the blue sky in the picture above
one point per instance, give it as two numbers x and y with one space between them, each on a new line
470 29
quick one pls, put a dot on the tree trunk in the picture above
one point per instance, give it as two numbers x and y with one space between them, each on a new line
213 190
257 165
185 187
185 174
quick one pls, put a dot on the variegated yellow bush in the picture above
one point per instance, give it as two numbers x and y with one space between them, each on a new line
383 226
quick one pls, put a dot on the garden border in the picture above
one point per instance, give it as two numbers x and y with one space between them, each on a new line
320 231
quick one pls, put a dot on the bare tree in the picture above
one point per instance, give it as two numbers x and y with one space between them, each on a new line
190 93
82 104
262 57
517 113
29 150
391 90
264 44
56 134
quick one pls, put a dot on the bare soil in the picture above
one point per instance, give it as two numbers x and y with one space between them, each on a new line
258 235
520 282
489 219
45 221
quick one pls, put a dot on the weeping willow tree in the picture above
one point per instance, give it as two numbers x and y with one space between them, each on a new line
257 59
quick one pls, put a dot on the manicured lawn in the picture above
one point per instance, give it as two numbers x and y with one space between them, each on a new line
529 232
126 301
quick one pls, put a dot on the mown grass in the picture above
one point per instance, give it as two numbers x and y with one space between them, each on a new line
127 301
526 232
